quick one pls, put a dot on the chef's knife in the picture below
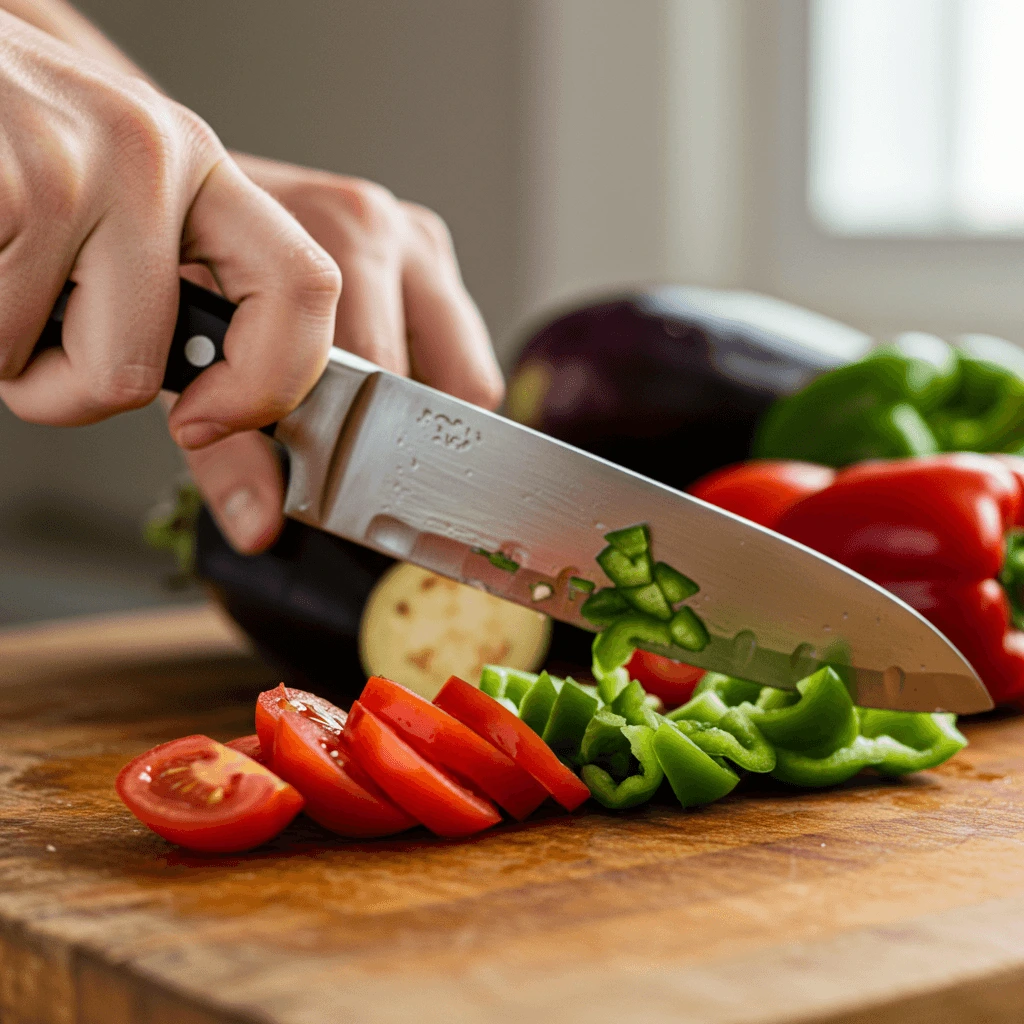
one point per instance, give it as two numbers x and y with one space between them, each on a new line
418 475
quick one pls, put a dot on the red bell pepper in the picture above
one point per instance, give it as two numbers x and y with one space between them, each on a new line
934 532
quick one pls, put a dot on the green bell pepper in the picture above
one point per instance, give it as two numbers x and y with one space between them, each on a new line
537 703
513 683
804 770
567 723
634 789
632 704
696 778
820 722
730 690
908 741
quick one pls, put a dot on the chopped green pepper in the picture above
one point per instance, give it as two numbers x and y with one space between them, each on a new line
615 646
842 764
535 707
604 607
634 789
730 690
632 704
632 541
649 599
910 742
500 681
624 571
688 631
820 722
674 585
695 777
571 712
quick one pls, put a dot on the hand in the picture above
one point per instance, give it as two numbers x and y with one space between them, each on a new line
108 182
403 306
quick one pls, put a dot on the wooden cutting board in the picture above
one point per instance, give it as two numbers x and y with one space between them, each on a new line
878 901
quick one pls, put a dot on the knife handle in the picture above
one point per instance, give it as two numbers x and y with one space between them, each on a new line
198 342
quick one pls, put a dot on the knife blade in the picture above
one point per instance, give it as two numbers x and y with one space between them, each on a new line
421 476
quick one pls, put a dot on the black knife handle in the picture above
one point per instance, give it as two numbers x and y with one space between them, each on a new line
198 342
203 319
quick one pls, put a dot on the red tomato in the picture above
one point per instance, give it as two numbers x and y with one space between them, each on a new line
670 680
412 782
485 716
763 490
339 794
453 746
248 745
271 704
203 795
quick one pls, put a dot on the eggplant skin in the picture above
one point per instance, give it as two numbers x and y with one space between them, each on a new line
301 602
655 382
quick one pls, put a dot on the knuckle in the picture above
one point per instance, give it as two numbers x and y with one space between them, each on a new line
367 205
118 388
431 229
314 284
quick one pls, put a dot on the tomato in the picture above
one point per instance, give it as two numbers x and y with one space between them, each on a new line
486 717
248 745
453 746
201 794
272 703
423 789
762 491
339 794
670 680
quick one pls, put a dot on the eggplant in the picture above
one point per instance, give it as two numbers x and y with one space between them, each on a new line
669 382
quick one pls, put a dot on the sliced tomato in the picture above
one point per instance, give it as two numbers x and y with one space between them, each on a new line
486 717
423 789
339 794
203 795
248 745
271 704
448 743
670 680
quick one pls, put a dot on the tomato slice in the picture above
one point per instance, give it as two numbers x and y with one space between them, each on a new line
271 704
424 790
339 794
486 717
453 746
204 795
670 680
248 745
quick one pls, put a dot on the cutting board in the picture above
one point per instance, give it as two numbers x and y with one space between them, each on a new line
877 901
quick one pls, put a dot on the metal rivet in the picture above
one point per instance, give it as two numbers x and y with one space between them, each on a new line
200 350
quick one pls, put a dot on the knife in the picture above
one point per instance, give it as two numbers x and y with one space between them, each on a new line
399 467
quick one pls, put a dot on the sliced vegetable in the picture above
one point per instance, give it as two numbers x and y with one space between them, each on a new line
696 778
814 772
732 736
572 711
688 631
615 646
604 606
650 600
248 745
419 787
450 745
633 789
632 541
536 704
917 741
674 585
271 704
499 726
206 796
624 571
731 691
339 794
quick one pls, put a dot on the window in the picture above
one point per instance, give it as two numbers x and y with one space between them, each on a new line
916 117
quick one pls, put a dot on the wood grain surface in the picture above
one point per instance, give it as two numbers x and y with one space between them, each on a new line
877 901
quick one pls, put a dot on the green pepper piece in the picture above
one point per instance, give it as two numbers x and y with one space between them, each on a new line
605 745
820 722
501 681
609 684
535 707
705 707
650 600
688 631
604 607
987 412
734 737
571 713
615 646
911 741
632 541
674 585
635 789
632 704
579 585
732 691
624 571
771 699
695 777
804 770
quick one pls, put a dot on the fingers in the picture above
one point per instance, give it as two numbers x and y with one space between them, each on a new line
286 288
240 477
450 348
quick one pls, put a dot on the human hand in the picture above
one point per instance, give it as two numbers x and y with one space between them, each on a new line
107 182
403 306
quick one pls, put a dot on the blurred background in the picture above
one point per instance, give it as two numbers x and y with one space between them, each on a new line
861 158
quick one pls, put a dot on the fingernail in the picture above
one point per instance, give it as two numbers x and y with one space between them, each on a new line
198 435
243 519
